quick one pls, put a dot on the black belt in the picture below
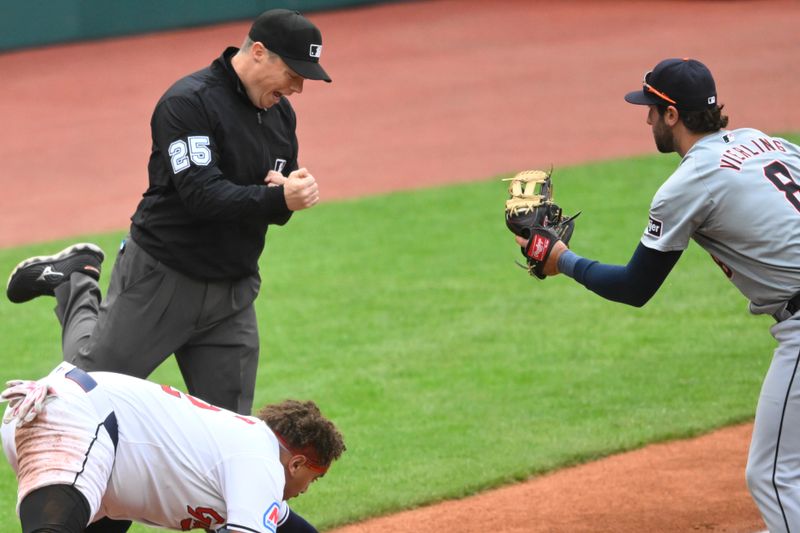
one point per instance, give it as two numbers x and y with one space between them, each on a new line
87 383
793 305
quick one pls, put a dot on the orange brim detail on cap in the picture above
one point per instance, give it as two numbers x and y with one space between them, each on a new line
649 88
313 461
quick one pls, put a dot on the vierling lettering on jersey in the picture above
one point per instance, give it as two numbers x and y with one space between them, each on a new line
737 154
735 193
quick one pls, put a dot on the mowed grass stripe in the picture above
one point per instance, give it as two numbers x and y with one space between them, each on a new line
449 369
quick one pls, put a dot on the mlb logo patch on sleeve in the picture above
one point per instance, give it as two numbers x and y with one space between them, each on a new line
654 227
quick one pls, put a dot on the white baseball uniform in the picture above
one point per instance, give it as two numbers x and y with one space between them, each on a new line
179 463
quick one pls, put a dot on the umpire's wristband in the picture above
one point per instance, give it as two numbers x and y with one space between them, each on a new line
567 261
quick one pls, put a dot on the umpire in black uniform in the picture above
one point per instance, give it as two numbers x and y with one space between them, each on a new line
223 168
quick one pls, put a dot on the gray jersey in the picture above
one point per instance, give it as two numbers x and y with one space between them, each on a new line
737 194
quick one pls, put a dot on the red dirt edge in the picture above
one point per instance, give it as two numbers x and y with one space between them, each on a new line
688 485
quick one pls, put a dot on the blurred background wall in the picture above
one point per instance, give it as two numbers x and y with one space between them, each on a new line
29 23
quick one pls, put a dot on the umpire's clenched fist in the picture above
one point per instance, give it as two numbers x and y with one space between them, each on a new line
300 189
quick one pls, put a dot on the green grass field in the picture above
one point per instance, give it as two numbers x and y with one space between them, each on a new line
448 369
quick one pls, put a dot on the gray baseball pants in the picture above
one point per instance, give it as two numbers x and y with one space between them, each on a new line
152 311
773 464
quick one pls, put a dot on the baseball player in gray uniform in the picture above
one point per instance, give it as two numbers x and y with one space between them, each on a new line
737 194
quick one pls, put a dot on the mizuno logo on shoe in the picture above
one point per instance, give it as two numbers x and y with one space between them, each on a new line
49 275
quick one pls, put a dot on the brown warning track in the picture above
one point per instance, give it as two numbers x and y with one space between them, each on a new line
427 93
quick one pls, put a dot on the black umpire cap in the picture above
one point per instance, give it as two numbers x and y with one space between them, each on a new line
293 37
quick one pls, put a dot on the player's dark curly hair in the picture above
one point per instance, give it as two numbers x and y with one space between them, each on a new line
302 424
703 121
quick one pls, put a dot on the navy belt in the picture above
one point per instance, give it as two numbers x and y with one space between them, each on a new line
88 383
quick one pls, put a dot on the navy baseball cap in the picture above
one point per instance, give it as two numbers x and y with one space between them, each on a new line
293 37
684 83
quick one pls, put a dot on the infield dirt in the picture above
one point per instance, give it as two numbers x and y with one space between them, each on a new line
429 93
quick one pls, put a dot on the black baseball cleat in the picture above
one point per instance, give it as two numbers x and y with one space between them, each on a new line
40 275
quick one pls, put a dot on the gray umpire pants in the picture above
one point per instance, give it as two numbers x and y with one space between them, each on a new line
773 464
152 311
